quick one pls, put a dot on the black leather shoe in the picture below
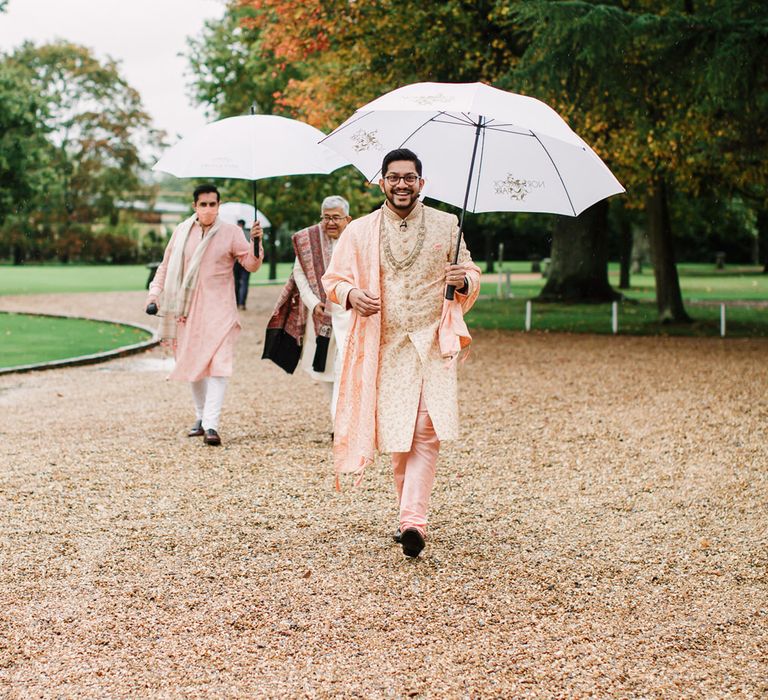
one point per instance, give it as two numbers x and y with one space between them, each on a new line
196 430
412 542
396 535
211 437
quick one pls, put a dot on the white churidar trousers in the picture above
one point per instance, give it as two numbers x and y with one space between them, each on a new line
208 394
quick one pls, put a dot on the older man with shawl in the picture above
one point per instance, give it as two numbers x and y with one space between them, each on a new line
398 389
306 328
194 291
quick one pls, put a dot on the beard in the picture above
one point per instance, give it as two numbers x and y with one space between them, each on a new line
411 195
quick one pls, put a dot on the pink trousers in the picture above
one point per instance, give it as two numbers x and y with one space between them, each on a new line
415 472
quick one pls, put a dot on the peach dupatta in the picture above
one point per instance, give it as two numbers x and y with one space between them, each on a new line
355 265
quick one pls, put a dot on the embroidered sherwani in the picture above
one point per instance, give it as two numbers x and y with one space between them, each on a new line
389 356
411 305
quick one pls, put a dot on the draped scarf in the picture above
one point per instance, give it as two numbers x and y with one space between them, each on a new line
175 299
285 329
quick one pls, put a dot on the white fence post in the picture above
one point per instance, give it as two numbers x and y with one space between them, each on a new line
615 317
499 292
722 320
528 315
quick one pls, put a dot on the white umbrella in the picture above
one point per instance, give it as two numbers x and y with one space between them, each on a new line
527 157
251 147
483 149
233 212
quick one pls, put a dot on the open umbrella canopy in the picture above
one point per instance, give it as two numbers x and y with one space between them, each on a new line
232 212
250 147
482 148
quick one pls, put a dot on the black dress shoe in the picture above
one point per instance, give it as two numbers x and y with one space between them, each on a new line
211 437
196 430
397 536
412 541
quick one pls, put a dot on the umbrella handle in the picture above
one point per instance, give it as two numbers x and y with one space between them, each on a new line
450 289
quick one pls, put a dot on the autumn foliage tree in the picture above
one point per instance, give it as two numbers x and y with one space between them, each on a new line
354 51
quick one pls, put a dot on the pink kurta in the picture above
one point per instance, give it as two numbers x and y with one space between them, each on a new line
206 339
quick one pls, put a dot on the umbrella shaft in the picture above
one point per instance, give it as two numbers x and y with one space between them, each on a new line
449 290
469 186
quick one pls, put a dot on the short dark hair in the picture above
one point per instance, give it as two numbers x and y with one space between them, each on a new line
205 189
400 154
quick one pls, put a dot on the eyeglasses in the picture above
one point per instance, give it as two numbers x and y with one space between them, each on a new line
409 179
335 218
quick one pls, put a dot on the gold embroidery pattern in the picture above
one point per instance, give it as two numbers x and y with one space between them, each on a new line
394 263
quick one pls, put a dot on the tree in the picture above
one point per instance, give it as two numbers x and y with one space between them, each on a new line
348 55
659 100
24 156
23 148
100 132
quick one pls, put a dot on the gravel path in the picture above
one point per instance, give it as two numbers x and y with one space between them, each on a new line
599 531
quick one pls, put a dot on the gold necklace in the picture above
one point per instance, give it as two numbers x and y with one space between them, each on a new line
410 259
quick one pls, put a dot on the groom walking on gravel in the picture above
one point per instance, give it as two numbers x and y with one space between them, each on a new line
194 292
398 389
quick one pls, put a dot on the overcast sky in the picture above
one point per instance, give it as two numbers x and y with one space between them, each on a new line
146 36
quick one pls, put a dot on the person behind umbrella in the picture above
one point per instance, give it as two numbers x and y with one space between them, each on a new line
312 332
242 276
194 291
398 389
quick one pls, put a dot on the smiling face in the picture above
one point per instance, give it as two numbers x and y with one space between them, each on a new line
335 221
207 208
401 185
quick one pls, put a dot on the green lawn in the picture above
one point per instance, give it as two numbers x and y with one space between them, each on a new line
698 283
637 315
634 318
29 339
52 279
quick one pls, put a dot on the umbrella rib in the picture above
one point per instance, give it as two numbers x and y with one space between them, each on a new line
411 135
506 129
565 189
454 123
466 119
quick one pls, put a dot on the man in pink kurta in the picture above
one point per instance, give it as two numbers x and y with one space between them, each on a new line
198 305
398 390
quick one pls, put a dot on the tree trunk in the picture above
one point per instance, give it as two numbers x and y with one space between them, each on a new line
669 299
762 238
272 254
18 254
488 240
578 270
625 249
